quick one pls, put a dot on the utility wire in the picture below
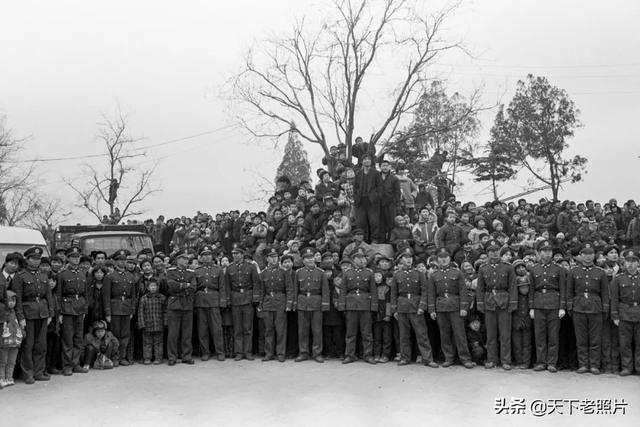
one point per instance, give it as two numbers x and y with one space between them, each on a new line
144 147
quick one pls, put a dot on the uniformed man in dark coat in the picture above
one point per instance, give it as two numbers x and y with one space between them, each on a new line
243 280
408 304
34 310
625 312
358 298
310 298
211 296
275 297
73 293
181 284
588 301
547 302
448 304
497 296
120 300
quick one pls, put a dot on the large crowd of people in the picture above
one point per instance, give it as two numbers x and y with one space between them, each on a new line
365 265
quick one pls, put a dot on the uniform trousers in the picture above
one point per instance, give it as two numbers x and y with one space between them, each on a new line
361 319
407 322
310 321
629 343
34 348
180 326
72 341
121 329
546 327
588 329
209 329
275 333
451 325
242 328
498 324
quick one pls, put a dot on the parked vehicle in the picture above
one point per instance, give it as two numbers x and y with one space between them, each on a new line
106 238
19 239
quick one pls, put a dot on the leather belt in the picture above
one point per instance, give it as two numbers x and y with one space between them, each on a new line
76 296
357 292
35 299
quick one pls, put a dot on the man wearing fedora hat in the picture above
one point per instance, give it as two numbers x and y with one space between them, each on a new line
34 310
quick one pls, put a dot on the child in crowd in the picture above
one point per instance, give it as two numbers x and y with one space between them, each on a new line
382 319
10 340
152 320
53 358
521 322
476 339
100 347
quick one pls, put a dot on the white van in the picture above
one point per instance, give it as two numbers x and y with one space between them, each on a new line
18 239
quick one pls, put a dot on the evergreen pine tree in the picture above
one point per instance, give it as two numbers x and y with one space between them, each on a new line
295 164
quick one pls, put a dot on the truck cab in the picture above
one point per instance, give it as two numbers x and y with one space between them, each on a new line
106 238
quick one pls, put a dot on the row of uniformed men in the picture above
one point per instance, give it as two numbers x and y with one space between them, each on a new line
584 292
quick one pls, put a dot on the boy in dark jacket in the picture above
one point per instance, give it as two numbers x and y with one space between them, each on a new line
521 322
151 320
382 318
476 339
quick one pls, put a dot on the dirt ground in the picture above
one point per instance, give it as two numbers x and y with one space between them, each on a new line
307 394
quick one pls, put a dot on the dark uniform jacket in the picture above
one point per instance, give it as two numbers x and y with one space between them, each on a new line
120 293
497 287
181 284
588 290
211 287
73 290
547 288
275 290
447 290
311 290
33 295
625 297
408 291
359 291
243 280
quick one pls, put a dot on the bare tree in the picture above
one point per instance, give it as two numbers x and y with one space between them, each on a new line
16 177
50 213
117 188
316 76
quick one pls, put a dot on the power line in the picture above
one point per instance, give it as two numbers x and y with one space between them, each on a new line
496 65
91 156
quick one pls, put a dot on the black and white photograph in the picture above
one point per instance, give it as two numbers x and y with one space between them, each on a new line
319 213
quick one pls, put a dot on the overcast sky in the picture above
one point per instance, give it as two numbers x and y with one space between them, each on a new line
66 62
